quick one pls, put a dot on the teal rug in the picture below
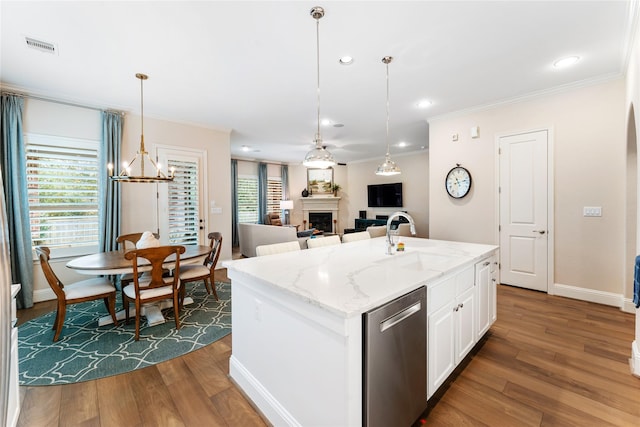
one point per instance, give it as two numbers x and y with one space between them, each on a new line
86 351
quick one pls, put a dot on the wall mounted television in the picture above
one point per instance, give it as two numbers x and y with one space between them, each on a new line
385 195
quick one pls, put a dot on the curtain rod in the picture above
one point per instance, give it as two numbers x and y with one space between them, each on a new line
56 101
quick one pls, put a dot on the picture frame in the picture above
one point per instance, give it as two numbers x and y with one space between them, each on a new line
320 181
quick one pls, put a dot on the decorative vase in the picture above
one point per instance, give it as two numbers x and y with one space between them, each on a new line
305 193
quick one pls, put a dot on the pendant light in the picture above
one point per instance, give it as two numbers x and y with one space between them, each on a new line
388 167
318 157
142 155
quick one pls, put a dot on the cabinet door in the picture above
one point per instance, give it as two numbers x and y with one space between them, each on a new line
465 314
493 284
484 297
441 350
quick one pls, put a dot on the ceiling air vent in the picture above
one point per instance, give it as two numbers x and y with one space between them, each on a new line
40 45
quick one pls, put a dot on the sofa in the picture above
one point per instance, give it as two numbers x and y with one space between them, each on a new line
252 235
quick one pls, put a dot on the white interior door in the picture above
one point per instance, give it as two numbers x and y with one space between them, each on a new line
182 203
524 233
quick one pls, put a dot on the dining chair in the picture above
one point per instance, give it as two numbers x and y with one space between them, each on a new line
204 271
323 241
377 230
277 248
353 237
154 286
128 242
77 292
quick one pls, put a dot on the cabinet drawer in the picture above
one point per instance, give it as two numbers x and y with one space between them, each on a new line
464 280
441 293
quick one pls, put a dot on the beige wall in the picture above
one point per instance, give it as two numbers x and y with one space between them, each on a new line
139 203
588 142
139 211
415 191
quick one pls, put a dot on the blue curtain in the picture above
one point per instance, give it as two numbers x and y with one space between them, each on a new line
284 174
235 240
14 175
109 194
262 192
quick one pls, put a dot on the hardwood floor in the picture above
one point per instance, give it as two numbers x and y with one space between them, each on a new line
548 361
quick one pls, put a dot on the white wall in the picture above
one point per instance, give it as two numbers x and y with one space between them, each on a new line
632 103
139 203
589 144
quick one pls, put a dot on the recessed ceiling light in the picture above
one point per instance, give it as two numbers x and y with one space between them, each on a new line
424 103
346 60
402 144
325 122
566 62
246 148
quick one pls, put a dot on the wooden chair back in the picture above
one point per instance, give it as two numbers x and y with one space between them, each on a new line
156 256
125 240
56 285
215 243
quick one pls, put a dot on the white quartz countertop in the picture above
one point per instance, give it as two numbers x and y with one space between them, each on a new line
352 278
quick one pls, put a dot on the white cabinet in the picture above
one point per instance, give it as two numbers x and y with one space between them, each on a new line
460 310
451 321
486 281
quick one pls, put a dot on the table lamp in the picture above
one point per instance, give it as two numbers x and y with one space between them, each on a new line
286 205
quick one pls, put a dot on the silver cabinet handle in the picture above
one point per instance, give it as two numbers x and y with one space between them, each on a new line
400 316
540 231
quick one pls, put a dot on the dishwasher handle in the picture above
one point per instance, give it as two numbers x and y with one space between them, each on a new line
393 320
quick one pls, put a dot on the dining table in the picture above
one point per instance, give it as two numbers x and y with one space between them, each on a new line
114 263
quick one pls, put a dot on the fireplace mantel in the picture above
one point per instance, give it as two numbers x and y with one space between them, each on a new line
320 204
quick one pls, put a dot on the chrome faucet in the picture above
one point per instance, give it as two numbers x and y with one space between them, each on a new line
390 243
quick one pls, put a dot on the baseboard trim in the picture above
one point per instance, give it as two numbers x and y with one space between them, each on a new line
600 297
266 403
635 358
41 295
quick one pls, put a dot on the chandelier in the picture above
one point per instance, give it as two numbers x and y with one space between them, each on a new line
388 167
318 157
142 155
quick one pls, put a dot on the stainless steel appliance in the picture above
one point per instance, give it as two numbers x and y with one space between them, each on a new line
395 361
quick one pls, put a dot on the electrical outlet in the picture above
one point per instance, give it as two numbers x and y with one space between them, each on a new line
592 211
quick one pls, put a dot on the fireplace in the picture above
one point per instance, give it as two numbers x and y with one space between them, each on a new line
326 207
321 221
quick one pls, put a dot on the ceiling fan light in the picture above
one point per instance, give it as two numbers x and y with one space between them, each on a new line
319 157
388 168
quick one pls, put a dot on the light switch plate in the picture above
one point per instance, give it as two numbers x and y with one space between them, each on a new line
592 211
475 132
454 137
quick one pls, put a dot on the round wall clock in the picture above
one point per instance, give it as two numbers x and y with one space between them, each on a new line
458 182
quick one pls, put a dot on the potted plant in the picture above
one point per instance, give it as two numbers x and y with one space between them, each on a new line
335 188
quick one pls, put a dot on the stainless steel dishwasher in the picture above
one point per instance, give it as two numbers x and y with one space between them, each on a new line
395 361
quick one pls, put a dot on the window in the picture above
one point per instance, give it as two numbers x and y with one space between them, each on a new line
247 199
184 207
62 181
274 194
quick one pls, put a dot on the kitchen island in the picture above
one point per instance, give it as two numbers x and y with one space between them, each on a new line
297 340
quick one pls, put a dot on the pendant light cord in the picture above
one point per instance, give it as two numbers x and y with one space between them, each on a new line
318 138
387 63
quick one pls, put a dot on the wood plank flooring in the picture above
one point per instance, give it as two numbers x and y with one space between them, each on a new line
547 361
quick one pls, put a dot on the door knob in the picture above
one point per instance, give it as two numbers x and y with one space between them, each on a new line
540 231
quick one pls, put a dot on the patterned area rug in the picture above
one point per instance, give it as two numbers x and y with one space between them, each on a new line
86 351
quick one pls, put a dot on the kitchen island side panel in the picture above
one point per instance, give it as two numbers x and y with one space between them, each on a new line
301 365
